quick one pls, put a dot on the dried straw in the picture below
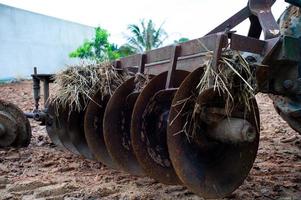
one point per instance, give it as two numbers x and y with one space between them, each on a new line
141 80
79 83
234 81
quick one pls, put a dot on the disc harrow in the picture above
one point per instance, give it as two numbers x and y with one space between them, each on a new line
195 122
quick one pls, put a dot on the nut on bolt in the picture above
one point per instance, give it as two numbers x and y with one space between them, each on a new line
288 84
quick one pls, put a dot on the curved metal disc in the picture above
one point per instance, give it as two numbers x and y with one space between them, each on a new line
23 126
148 128
76 132
209 172
117 121
52 125
58 126
8 129
93 124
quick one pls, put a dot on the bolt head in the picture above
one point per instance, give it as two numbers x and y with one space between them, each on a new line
288 84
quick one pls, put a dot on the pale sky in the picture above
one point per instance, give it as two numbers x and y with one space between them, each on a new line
189 18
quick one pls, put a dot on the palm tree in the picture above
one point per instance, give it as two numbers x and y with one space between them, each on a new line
145 36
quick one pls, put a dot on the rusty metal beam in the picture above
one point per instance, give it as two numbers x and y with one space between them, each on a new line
232 21
192 53
247 44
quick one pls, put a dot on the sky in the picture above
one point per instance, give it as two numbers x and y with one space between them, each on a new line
189 18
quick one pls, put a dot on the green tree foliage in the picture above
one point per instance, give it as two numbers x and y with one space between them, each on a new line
126 50
145 36
99 48
83 52
181 40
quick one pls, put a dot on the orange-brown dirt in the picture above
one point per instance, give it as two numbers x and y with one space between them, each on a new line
43 171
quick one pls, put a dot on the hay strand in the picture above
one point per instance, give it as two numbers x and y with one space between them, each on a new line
79 83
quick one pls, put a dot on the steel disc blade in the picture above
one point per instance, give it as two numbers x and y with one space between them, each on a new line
93 123
59 126
76 132
117 121
52 125
23 132
8 129
148 128
209 172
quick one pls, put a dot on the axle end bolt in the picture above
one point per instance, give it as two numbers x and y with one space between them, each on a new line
288 84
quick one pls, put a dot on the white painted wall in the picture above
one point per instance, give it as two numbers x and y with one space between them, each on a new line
30 40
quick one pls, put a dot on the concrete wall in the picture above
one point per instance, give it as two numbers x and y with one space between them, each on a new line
28 39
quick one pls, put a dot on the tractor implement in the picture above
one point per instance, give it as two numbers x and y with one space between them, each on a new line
193 120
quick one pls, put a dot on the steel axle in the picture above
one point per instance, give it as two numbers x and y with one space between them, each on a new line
233 130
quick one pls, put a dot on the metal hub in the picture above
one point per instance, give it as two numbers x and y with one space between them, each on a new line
153 131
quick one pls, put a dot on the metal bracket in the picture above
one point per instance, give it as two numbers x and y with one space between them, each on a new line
232 21
37 114
262 10
173 66
141 65
221 39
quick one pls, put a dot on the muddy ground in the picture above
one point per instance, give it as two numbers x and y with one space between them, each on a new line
43 171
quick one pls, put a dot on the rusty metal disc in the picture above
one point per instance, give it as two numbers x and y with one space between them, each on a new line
56 126
211 169
8 129
117 122
76 132
148 128
93 124
52 125
23 129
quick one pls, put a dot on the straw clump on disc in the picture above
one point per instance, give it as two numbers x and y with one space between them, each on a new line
141 80
79 83
233 79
